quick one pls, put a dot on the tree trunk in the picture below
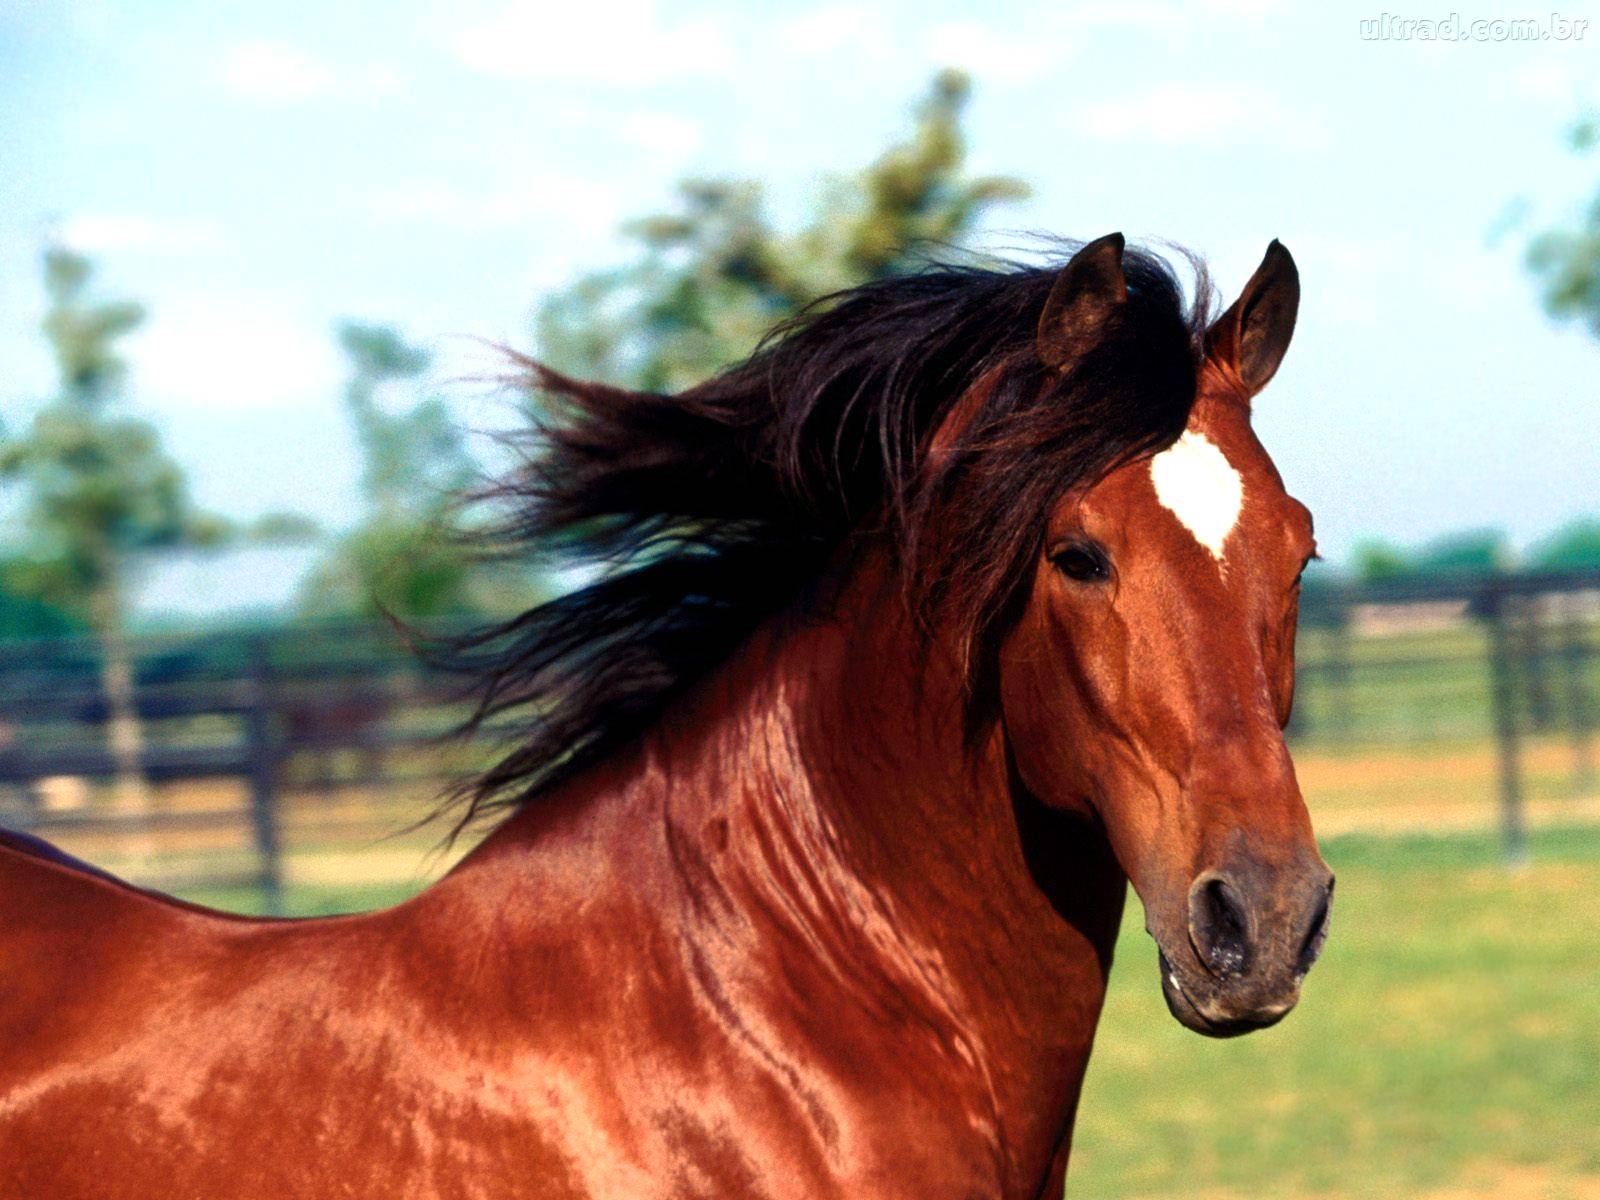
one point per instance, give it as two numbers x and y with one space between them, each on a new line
124 734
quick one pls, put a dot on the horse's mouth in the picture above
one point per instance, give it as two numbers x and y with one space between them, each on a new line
1183 1007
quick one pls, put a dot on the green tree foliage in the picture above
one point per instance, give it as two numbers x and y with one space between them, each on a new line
1573 547
98 486
97 491
1376 561
711 278
23 616
412 453
1567 261
411 554
1473 552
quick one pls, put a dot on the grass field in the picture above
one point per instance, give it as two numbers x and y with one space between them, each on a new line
1433 787
1448 1045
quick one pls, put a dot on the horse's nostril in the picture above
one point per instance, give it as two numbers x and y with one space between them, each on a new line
1218 927
1316 932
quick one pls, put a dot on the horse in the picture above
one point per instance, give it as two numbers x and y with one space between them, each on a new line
967 600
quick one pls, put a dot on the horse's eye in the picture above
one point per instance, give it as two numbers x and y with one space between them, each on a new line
1086 564
1300 576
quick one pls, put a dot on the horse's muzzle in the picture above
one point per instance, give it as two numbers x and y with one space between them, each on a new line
1253 933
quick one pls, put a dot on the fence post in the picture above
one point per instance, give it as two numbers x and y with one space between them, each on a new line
263 750
1341 708
1580 715
1504 695
1531 656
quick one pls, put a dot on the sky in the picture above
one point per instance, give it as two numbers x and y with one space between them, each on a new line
257 173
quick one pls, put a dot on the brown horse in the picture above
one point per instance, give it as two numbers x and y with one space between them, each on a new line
968 599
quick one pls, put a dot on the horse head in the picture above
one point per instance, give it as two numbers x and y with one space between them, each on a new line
1149 676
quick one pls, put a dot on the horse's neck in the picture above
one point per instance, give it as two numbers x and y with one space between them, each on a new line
817 792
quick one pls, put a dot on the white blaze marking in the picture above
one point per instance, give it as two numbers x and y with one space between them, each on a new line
1197 482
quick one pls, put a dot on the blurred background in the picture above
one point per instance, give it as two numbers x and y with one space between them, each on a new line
255 265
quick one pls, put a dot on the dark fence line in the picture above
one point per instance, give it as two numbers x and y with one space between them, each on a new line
1512 655
279 712
241 708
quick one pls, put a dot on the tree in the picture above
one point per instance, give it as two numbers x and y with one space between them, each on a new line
1573 547
410 556
714 276
1567 261
1376 561
1473 552
25 617
98 494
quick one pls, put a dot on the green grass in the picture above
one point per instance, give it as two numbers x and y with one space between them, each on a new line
1454 1022
1453 1026
303 901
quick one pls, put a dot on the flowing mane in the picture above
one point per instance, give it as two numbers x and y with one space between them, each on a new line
840 916
706 512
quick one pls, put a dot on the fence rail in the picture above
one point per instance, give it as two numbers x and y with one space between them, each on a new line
263 743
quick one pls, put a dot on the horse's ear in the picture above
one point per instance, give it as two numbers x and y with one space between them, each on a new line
1250 339
1089 288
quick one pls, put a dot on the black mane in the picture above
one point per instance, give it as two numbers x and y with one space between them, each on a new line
706 512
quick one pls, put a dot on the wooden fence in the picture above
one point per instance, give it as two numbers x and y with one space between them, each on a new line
238 728
336 736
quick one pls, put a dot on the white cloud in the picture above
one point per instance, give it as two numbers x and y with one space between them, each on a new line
231 353
832 28
1159 15
664 134
1148 16
578 205
424 201
993 55
278 72
111 232
1355 273
91 20
1561 78
621 42
1244 8
1180 115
